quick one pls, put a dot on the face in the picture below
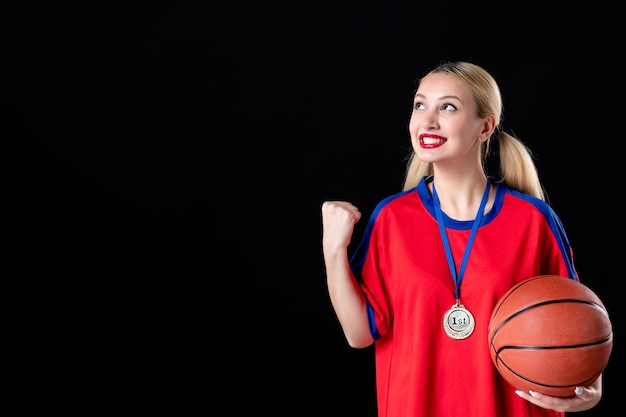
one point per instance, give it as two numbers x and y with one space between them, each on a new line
444 125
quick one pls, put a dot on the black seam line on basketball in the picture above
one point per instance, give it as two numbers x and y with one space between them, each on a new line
520 285
543 383
516 347
564 300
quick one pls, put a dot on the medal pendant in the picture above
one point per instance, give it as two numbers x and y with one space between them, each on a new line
458 322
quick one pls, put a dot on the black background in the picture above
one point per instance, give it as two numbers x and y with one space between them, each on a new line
166 164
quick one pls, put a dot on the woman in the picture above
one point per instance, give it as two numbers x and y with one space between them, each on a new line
436 257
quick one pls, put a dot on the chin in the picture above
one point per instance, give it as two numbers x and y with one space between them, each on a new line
425 155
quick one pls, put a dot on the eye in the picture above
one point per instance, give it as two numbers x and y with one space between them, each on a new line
418 105
448 107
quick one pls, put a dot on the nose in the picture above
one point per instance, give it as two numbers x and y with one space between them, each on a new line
425 119
430 120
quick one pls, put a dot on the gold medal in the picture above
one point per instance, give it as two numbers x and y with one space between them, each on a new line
458 322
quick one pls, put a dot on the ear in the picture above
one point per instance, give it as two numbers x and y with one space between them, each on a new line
489 125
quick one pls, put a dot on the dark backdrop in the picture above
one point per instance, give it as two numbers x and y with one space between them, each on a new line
166 163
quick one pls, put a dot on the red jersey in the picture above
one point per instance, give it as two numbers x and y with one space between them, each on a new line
403 271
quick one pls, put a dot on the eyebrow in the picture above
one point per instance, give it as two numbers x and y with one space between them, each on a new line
440 98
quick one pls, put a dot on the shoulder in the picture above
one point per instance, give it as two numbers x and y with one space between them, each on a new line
538 203
394 197
387 205
531 204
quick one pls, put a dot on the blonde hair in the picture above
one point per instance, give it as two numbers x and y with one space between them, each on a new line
517 167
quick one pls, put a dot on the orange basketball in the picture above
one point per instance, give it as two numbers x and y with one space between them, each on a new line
550 334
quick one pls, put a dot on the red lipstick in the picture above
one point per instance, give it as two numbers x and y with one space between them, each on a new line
429 140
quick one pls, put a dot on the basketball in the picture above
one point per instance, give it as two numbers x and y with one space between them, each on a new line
550 334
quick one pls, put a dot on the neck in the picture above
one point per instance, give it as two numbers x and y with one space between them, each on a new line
460 196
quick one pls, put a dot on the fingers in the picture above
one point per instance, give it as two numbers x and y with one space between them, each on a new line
582 399
585 393
341 209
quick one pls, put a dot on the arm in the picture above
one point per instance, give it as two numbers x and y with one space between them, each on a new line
338 220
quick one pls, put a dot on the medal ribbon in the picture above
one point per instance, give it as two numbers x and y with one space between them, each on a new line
446 243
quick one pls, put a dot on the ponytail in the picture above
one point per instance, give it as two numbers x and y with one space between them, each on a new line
517 167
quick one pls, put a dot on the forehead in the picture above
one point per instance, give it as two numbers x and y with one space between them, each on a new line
443 85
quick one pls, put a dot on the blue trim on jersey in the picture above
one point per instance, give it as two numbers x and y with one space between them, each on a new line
371 319
555 226
358 258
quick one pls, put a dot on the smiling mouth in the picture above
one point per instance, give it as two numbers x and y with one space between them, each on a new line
431 141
